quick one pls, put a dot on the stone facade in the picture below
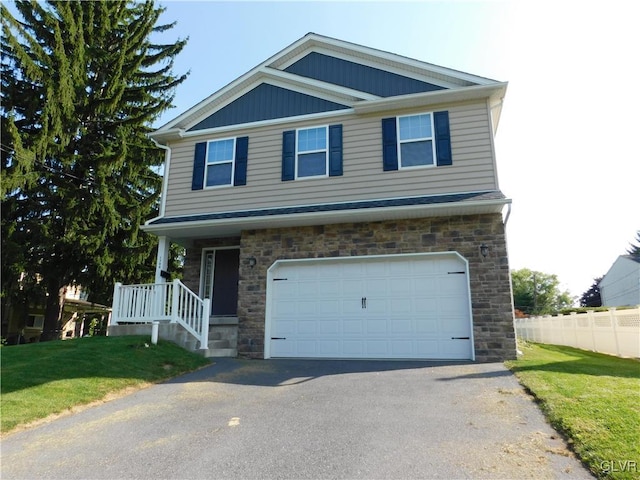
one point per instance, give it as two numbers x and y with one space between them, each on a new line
489 276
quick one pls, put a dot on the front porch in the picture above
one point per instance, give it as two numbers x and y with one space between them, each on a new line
181 317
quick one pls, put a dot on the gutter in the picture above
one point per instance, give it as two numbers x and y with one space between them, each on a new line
424 99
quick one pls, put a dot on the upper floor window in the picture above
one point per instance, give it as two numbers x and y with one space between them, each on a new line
311 152
415 142
220 162
421 140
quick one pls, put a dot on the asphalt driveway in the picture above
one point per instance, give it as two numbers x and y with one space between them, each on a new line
287 419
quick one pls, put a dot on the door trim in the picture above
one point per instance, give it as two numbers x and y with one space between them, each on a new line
361 258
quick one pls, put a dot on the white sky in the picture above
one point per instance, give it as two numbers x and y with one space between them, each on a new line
566 141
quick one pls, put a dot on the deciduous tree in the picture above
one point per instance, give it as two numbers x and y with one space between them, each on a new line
537 293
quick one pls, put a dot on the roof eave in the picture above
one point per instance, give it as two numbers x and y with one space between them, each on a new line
493 92
185 232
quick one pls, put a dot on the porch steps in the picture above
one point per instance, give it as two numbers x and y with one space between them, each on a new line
223 337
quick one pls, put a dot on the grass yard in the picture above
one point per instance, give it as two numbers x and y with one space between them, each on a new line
42 379
593 399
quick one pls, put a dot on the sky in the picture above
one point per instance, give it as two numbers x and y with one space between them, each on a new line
566 143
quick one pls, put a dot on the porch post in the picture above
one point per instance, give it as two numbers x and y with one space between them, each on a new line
162 260
115 305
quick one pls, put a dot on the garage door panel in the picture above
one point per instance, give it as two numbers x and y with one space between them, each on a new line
376 326
402 348
400 286
328 327
308 327
285 327
352 348
425 285
376 288
376 348
351 288
328 307
376 306
427 348
402 326
399 268
452 306
427 325
350 327
413 308
328 288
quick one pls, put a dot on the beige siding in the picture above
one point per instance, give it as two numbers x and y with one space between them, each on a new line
473 167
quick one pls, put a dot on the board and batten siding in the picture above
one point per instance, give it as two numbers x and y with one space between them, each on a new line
473 167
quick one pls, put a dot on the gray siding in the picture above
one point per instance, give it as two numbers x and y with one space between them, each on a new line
473 167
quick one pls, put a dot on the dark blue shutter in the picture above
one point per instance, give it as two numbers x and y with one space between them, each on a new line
335 150
443 138
242 154
197 182
389 144
288 155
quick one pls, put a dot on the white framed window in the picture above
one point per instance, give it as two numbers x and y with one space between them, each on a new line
220 162
311 152
416 145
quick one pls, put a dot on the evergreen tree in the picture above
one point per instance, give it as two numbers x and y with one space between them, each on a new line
591 298
82 83
634 251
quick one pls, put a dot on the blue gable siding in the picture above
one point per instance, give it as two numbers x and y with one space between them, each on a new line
266 102
359 77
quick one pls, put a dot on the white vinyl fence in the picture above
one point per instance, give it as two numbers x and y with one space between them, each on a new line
615 332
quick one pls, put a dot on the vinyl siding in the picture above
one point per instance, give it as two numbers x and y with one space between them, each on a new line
473 167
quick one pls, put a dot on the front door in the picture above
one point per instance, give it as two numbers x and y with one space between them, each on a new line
220 280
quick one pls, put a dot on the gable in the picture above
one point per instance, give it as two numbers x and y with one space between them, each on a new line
358 77
267 102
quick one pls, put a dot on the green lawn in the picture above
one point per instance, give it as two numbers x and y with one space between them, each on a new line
42 379
593 399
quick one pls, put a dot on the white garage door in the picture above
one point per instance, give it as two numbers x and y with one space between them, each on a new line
399 306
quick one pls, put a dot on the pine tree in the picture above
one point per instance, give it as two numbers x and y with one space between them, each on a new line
591 298
82 83
634 250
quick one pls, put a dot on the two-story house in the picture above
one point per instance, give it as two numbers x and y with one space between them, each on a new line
339 201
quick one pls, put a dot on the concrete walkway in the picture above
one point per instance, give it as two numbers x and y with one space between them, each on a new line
282 419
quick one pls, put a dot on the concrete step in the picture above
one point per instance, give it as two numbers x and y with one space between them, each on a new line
219 344
223 320
215 336
220 352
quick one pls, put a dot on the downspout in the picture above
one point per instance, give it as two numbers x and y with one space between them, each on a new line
165 177
506 218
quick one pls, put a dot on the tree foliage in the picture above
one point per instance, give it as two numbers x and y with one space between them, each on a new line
634 249
591 298
82 83
537 293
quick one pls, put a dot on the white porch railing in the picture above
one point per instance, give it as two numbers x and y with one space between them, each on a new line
616 332
173 302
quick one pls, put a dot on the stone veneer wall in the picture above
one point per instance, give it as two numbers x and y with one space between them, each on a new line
489 277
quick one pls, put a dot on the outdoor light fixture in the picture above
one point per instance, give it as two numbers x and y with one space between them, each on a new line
252 262
484 250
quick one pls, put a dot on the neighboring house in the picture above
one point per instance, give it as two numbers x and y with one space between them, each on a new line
621 284
339 201
25 322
